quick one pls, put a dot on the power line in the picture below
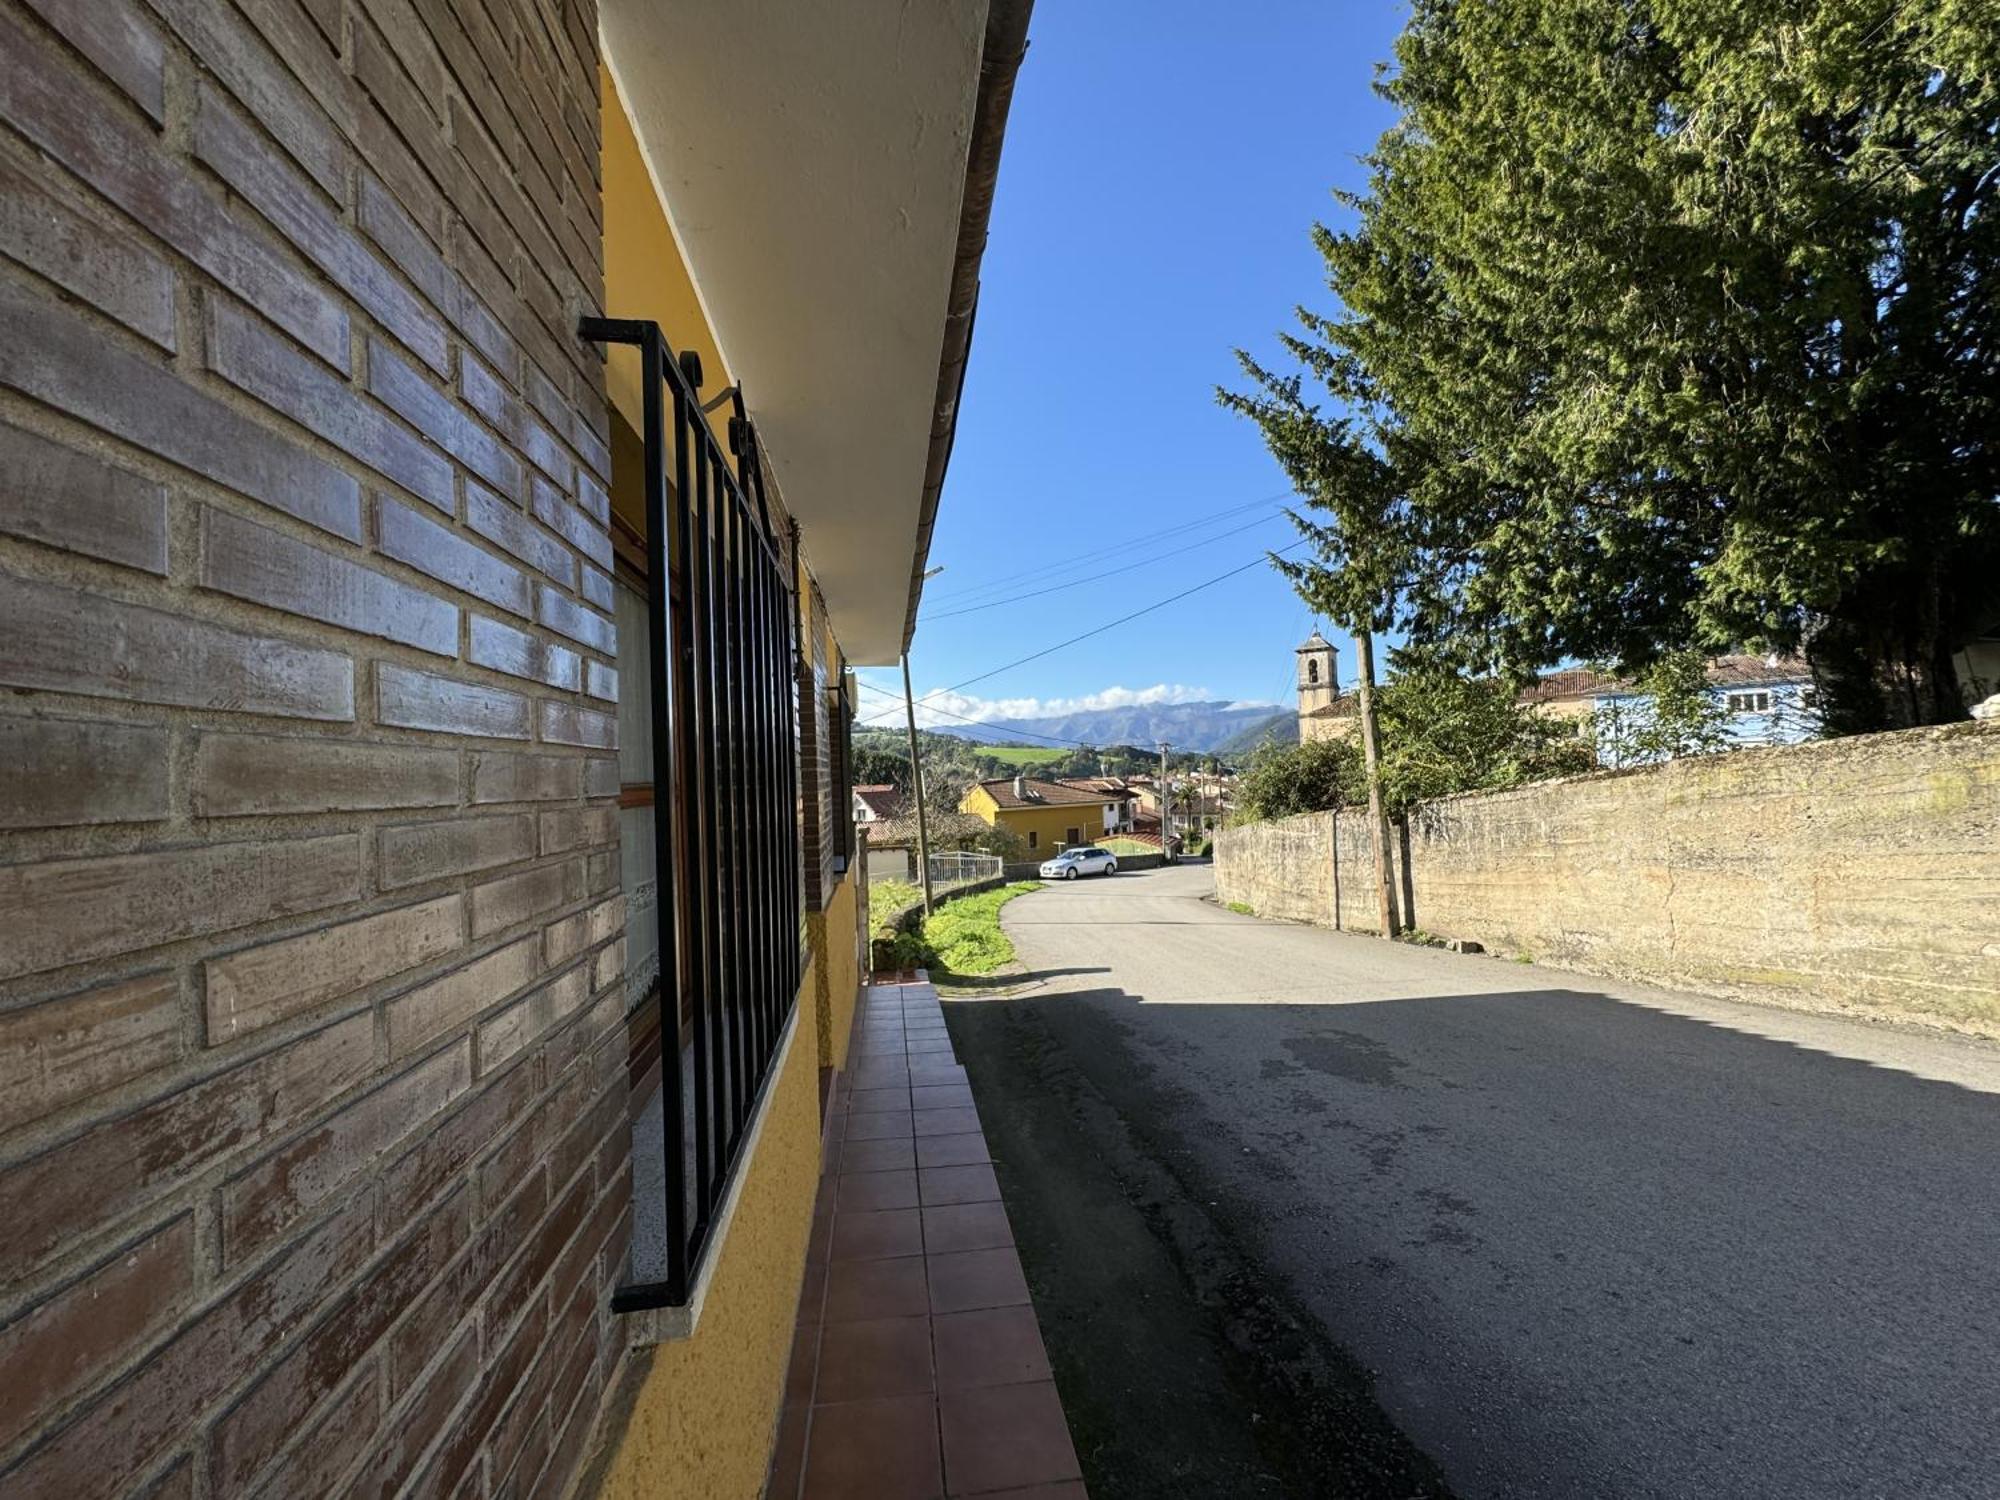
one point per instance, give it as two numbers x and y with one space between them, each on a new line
1108 625
1057 588
1028 574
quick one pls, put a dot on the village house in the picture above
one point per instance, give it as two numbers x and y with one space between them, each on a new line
451 455
877 804
1765 700
1046 815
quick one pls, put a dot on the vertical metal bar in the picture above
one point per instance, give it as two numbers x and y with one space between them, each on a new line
713 1000
693 766
746 793
728 796
666 889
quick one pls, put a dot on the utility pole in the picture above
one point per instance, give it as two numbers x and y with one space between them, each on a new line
917 784
1166 809
1378 819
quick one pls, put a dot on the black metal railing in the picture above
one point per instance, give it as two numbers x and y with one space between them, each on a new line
724 639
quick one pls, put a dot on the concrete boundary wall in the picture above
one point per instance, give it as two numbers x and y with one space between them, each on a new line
1860 874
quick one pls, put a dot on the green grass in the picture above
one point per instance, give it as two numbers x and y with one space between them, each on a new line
1024 756
1129 846
964 936
886 898
1241 908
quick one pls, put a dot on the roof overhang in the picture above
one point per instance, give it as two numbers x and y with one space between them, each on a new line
828 171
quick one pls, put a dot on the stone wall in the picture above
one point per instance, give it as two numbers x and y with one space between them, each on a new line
313 1135
1860 874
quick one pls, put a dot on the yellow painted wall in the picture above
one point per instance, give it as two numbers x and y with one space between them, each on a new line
1050 824
645 275
842 968
706 1412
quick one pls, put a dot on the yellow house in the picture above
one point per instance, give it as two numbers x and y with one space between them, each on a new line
1046 814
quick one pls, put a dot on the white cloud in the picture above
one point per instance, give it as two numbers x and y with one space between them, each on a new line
948 709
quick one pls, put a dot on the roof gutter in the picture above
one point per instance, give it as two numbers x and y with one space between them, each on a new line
999 63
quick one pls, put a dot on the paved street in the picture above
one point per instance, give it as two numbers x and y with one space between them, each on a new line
1589 1239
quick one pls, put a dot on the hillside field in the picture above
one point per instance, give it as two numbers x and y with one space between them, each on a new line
1023 757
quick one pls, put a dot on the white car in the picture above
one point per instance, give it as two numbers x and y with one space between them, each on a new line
1082 860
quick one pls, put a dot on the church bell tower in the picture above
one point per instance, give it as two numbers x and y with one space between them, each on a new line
1318 683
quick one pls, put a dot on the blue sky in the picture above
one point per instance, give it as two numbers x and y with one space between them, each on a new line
1163 166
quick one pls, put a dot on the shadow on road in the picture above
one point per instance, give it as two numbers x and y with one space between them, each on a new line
1743 1266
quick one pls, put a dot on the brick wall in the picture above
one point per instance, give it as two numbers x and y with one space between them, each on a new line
312 1071
1859 874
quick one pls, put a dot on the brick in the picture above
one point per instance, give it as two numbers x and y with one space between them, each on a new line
467 1435
64 772
267 567
528 1146
417 700
57 1350
596 588
601 872
64 1051
503 525
608 967
564 940
414 852
483 391
238 154
260 986
345 1429
398 386
69 911
270 1196
52 106
56 495
117 37
594 499
571 524
56 356
501 777
431 1010
235 775
411 537
525 1021
119 1166
502 648
515 898
559 612
98 1456
108 270
565 724
69 641
262 365
408 1433
407 104
517 1280
600 681
600 777
281 104
578 827
442 1154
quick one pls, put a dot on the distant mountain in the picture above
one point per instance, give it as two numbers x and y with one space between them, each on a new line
1281 728
1194 727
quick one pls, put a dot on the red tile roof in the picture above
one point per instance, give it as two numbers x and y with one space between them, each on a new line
1040 793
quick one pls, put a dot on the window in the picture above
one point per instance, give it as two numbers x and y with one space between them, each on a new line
1312 671
1749 703
1034 839
1072 835
722 642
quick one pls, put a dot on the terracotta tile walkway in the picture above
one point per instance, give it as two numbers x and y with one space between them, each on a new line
918 1369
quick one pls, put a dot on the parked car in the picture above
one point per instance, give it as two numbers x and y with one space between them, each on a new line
1085 859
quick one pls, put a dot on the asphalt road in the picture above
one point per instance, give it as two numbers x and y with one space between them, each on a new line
1570 1237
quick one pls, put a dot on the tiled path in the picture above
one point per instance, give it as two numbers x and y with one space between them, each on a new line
918 1370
